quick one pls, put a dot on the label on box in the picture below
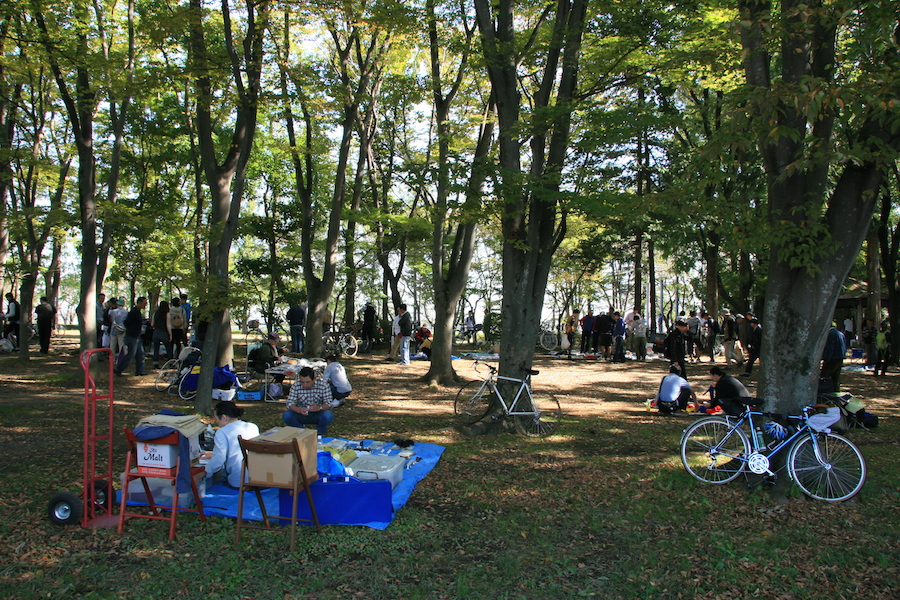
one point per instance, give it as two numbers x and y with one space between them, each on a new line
160 456
156 471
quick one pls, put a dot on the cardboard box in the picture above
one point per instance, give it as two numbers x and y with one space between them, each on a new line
163 490
162 457
278 468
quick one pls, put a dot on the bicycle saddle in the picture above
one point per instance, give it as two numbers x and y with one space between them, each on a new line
531 371
749 401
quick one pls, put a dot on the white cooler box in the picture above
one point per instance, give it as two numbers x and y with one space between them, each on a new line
377 467
163 490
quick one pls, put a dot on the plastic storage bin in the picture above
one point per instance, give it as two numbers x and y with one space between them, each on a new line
377 467
163 490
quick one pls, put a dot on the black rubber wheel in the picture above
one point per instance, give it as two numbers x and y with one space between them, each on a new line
64 509
101 494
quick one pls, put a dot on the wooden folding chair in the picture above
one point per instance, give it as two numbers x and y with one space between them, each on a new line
131 461
255 477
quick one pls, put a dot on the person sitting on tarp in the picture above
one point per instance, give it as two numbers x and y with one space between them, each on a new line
226 459
336 376
674 392
309 402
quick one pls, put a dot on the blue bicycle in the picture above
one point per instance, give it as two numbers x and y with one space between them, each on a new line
824 465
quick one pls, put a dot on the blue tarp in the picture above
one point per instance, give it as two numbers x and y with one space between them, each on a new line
369 503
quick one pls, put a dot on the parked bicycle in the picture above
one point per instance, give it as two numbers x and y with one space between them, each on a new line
338 342
547 338
530 417
172 374
824 465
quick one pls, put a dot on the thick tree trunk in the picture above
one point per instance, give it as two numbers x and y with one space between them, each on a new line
800 303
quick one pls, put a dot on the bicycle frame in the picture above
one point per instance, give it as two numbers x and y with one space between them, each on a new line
758 462
509 409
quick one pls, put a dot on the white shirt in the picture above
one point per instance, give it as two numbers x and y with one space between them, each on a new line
337 375
227 451
671 387
395 327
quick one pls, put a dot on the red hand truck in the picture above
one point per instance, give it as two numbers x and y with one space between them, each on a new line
93 507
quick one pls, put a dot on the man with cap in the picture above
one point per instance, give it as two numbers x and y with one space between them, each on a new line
267 354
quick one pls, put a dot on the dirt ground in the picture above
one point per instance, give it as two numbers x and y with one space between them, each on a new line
385 392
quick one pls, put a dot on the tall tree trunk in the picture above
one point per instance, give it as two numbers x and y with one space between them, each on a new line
225 181
873 270
531 223
803 287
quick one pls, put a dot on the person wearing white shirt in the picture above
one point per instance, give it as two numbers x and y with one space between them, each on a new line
674 392
336 376
227 459
395 338
117 316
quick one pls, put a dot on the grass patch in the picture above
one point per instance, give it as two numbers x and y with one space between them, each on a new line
603 509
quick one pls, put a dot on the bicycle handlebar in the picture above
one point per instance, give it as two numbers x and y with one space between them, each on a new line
493 369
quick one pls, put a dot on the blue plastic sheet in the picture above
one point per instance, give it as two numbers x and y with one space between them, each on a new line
339 501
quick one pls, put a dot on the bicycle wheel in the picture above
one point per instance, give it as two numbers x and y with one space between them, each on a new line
543 422
330 344
711 450
349 345
254 339
837 474
473 402
549 340
184 391
167 376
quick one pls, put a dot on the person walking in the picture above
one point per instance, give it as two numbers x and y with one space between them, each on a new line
296 318
134 345
45 314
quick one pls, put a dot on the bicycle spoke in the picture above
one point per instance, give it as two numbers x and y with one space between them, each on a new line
712 450
472 402
543 421
836 474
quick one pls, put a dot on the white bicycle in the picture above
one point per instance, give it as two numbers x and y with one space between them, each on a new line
530 417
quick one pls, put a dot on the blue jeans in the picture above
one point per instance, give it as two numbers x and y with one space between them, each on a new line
321 419
135 353
161 336
296 338
404 350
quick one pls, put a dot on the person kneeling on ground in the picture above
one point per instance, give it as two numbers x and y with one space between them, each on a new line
336 376
309 402
727 389
674 392
226 458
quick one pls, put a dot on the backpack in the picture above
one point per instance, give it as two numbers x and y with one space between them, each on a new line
853 412
177 320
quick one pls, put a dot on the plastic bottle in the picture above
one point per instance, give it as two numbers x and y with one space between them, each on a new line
759 442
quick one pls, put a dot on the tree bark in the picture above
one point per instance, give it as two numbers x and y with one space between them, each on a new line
805 278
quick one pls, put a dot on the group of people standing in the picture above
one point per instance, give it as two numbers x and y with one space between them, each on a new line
45 316
125 332
606 334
